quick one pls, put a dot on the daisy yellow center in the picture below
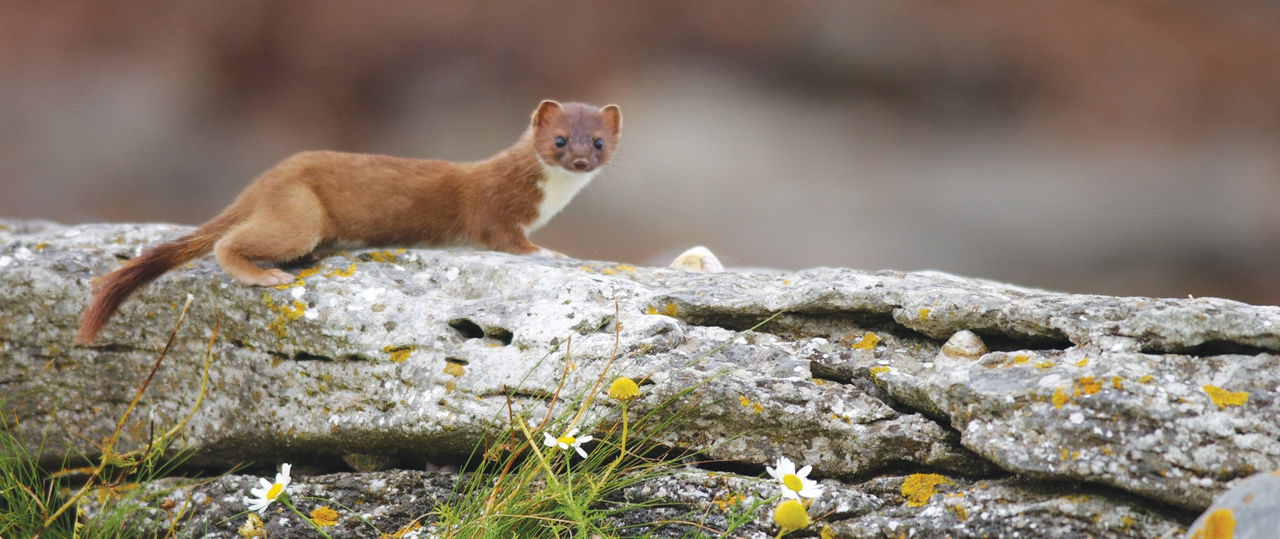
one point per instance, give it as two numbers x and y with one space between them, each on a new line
275 491
567 440
792 482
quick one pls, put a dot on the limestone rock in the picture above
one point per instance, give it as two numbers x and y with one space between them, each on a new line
411 354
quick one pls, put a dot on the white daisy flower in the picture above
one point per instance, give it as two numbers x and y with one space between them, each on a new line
267 491
795 484
568 440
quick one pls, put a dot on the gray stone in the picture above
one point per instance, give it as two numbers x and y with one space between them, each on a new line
1250 509
406 356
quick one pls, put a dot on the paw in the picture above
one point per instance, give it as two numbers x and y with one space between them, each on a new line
543 251
273 277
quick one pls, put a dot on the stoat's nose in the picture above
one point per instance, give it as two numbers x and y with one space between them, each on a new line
581 164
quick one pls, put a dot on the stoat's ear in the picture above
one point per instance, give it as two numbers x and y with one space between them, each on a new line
547 110
612 117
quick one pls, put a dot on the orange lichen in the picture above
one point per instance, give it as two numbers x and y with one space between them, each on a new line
918 488
1224 398
1220 524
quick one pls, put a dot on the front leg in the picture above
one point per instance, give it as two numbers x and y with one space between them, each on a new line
512 240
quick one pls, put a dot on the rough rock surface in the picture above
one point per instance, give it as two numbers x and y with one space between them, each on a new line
1249 510
409 354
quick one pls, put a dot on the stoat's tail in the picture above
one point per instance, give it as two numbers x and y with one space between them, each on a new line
110 290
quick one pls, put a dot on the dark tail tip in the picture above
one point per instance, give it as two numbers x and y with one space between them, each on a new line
115 287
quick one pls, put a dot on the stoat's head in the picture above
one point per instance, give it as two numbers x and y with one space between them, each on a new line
575 136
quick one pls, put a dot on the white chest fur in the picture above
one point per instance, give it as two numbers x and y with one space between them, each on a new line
558 188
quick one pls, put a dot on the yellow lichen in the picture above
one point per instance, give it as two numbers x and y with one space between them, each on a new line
958 509
626 268
385 256
726 502
924 314
1220 524
284 313
1082 362
351 270
588 270
1059 397
39 246
1020 359
1044 365
1224 398
868 341
298 309
608 271
1089 386
878 370
1145 379
1117 382
397 354
324 516
918 488
454 369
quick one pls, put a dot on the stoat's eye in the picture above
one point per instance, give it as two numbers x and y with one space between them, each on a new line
599 144
560 142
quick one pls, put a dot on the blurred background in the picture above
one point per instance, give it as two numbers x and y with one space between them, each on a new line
1124 148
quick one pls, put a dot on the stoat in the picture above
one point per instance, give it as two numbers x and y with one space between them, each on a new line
318 198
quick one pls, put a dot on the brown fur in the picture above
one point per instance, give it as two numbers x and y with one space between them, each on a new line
317 198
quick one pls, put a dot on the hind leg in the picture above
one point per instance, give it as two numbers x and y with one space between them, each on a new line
277 235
